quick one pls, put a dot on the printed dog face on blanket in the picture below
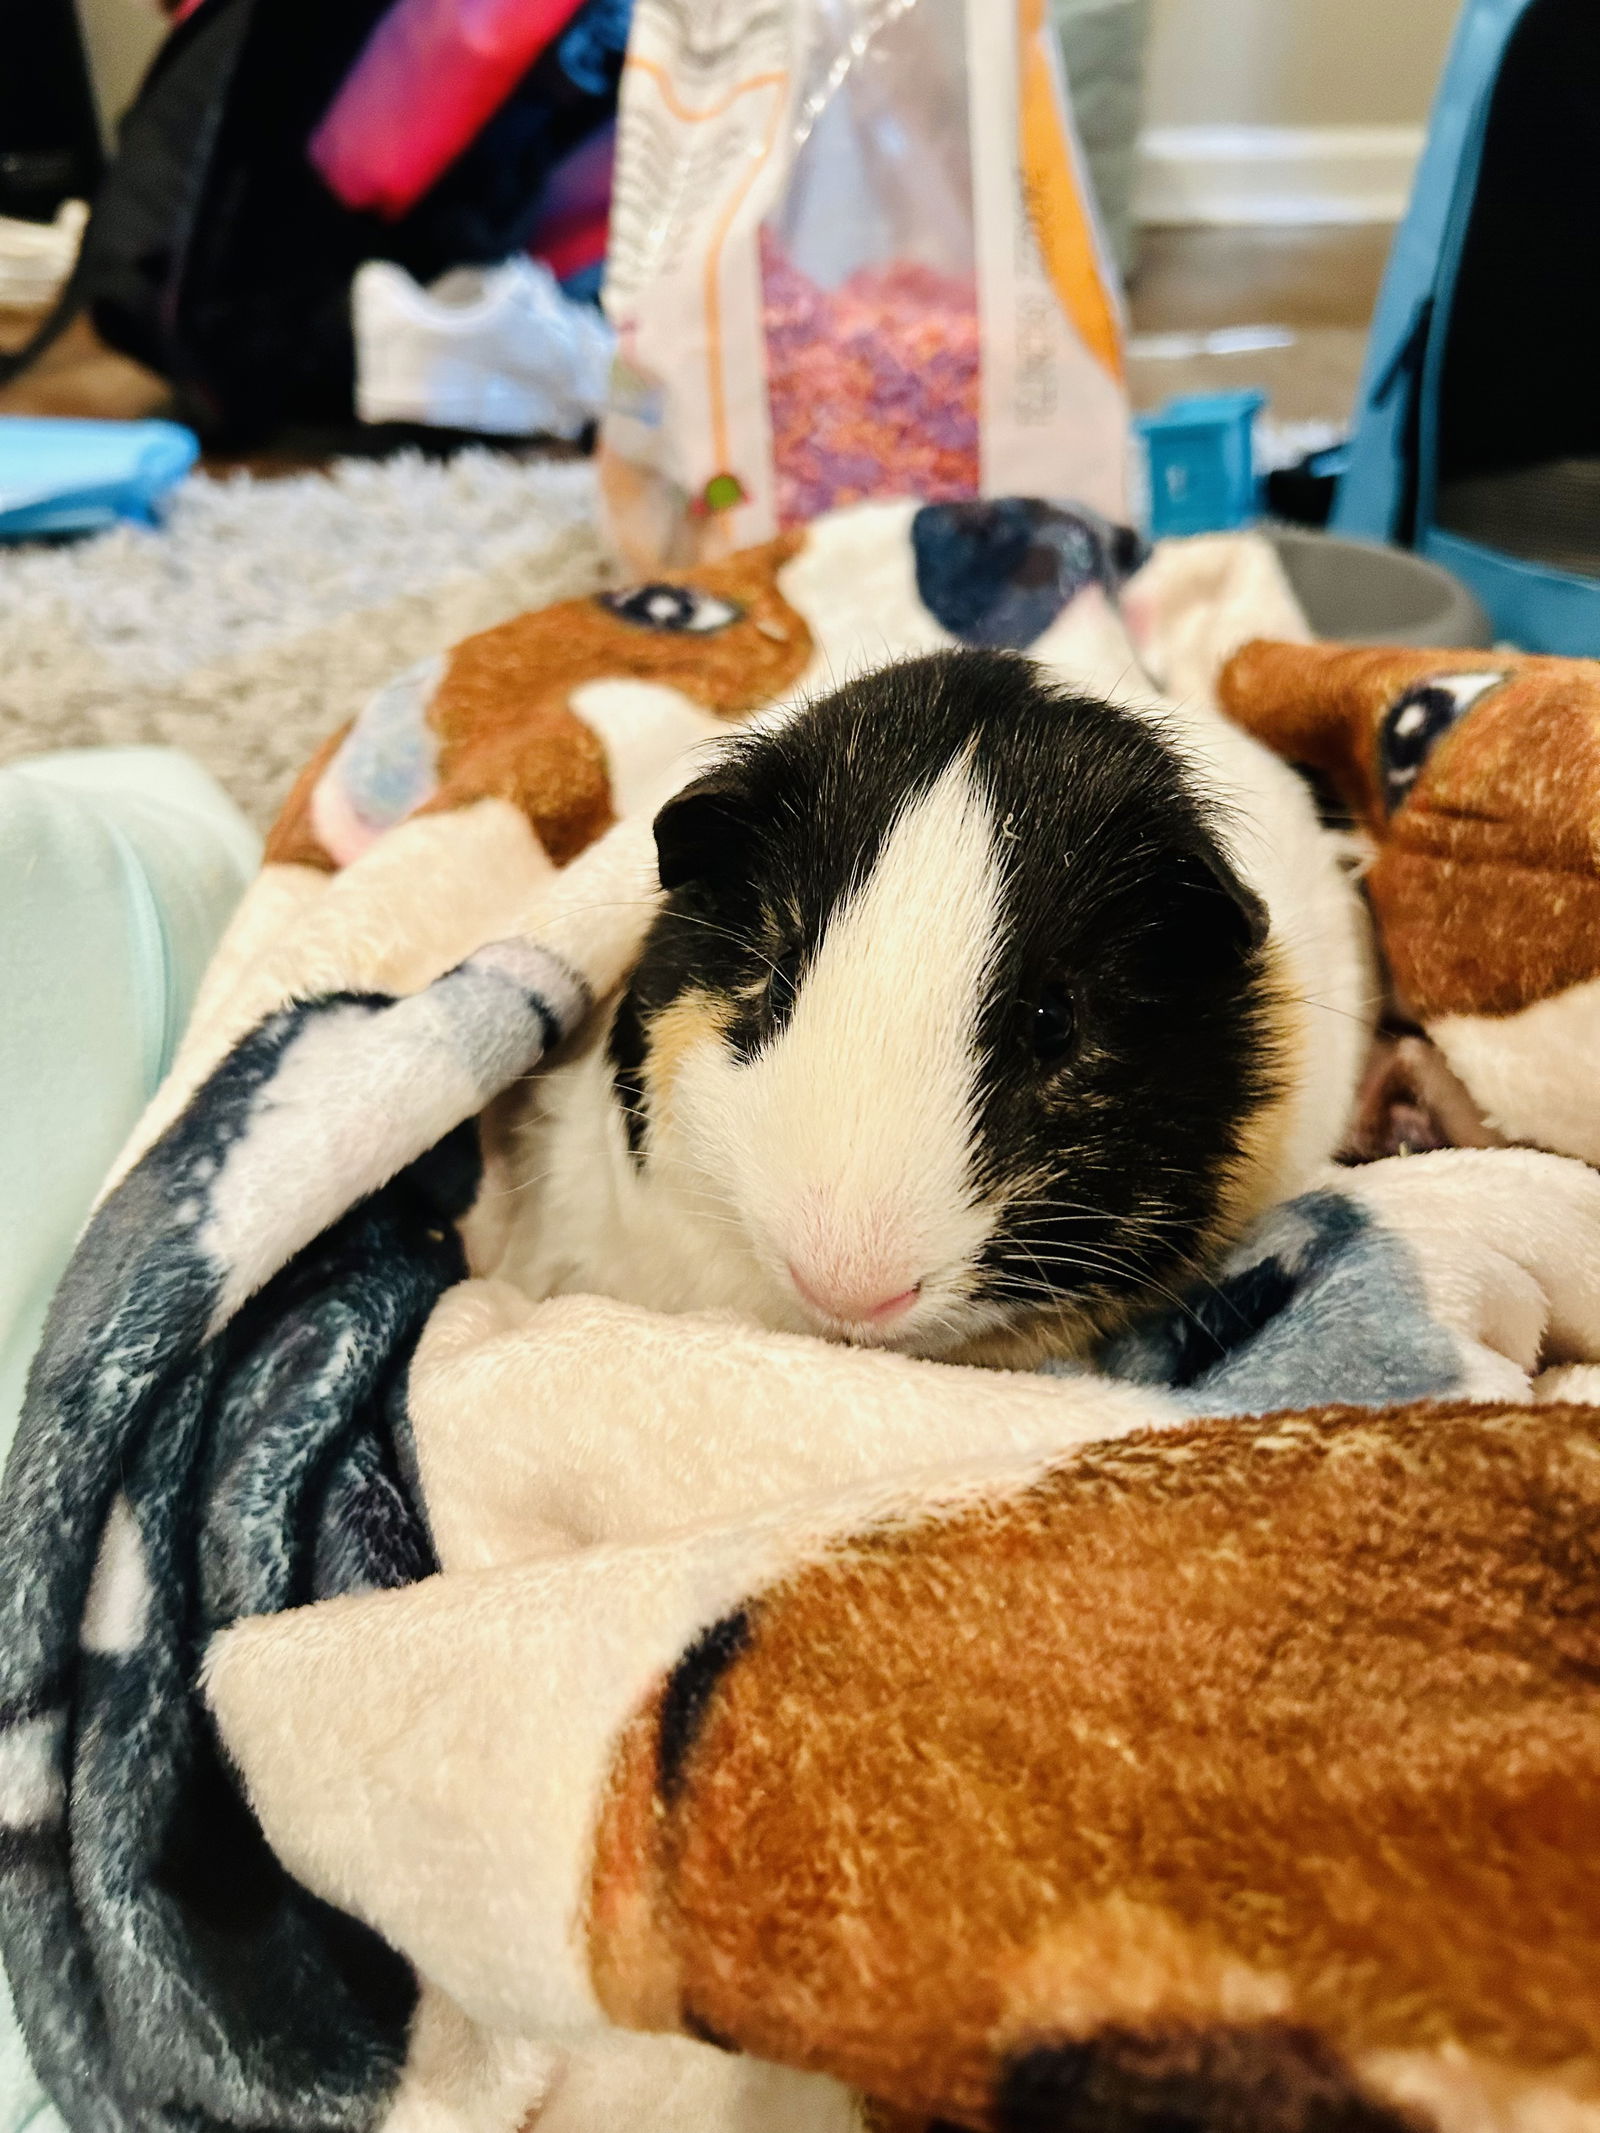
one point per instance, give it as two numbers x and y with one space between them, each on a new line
1476 778
957 1032
503 715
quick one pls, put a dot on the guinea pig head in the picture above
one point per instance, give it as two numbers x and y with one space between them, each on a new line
956 1010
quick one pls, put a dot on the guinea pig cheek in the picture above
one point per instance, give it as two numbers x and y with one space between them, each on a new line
856 1210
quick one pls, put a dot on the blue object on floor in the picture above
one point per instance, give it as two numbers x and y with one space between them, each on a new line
1200 454
60 476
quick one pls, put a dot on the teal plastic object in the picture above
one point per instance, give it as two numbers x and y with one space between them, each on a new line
62 476
1200 458
1390 489
1396 395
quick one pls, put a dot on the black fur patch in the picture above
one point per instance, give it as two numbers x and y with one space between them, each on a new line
1248 2078
688 1693
1123 921
626 1049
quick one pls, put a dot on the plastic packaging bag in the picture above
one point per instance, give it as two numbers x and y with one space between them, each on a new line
853 254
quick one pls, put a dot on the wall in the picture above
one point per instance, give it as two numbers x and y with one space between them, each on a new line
1295 62
1287 110
121 36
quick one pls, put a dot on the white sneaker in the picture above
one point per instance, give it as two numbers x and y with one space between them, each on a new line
495 349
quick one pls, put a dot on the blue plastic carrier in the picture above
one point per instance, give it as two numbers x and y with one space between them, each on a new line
1477 431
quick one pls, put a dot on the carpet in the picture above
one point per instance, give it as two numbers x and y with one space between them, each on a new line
263 613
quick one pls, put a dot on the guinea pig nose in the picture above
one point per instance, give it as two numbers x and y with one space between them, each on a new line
853 1308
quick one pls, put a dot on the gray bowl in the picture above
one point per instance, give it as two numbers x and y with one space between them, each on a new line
1361 592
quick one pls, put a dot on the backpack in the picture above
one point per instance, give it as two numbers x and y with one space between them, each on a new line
216 256
1477 430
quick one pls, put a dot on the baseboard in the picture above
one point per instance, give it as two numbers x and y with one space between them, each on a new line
1276 173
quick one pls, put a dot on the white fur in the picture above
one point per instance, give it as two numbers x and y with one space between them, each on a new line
118 1605
841 1151
31 1791
855 583
1529 1071
644 727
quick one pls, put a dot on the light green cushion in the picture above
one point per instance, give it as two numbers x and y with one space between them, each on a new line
119 868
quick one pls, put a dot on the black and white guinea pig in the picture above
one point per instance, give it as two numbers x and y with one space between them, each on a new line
959 1032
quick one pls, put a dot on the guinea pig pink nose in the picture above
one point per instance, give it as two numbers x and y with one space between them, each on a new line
852 1308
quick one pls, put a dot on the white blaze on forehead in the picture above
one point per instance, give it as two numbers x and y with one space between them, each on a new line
854 1132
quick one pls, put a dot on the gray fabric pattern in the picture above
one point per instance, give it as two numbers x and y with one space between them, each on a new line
215 1426
1316 1305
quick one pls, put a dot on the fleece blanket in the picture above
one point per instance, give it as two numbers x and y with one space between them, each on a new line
667 1724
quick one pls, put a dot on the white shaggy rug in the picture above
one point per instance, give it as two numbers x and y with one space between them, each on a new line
262 613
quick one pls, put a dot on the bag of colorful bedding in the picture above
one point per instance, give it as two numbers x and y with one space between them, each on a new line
854 253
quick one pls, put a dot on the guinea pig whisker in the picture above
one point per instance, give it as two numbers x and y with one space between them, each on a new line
638 903
726 933
708 1203
712 1205
1327 1008
510 1192
1144 1282
1137 1222
1110 1266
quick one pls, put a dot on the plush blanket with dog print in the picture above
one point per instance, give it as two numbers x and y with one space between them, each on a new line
427 1706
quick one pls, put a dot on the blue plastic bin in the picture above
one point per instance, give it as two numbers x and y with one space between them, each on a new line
1200 455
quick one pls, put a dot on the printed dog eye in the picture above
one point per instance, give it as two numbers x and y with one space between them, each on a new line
1418 720
676 608
1051 1024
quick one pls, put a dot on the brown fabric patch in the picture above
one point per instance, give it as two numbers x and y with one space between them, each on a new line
292 841
636 1971
535 752
1485 887
1290 1722
503 710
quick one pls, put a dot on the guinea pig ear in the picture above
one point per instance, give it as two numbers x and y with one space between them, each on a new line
702 829
1219 905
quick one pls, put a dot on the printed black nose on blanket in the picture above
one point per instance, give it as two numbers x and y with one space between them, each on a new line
215 1427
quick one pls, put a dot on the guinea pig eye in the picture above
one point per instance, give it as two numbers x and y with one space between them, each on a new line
1050 1023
